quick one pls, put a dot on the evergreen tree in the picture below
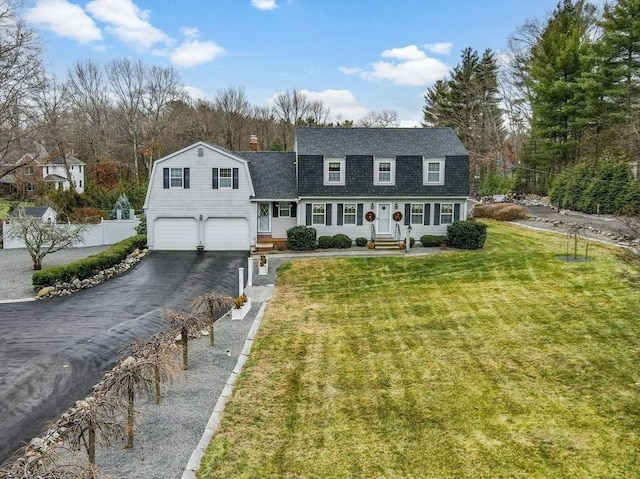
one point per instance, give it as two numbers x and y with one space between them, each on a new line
557 64
469 103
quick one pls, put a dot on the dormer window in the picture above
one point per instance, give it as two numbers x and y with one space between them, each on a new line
334 171
384 171
433 171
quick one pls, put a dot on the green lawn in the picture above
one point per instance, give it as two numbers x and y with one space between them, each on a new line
499 363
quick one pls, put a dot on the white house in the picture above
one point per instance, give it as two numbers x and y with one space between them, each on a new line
53 172
376 183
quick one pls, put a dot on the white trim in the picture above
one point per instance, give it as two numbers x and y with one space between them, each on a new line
230 178
171 177
324 214
425 170
354 214
378 209
411 213
452 212
376 171
268 216
342 162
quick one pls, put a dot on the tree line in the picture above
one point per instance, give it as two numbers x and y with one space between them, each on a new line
566 91
121 116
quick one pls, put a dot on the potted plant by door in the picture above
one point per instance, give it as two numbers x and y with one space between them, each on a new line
263 265
242 307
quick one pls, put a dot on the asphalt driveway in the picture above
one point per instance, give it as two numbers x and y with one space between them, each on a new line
53 351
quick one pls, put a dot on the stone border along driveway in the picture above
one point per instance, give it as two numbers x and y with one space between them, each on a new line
16 268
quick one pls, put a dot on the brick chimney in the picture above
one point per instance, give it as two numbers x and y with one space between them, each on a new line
253 143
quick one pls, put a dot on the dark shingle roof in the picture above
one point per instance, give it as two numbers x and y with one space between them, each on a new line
273 173
381 142
36 211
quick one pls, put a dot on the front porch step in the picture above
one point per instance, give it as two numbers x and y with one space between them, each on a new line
388 243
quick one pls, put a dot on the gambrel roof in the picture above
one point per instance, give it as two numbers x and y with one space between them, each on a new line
379 142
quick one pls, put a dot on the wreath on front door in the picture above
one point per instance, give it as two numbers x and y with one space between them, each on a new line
370 216
397 216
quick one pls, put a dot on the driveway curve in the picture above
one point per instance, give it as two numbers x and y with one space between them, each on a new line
53 351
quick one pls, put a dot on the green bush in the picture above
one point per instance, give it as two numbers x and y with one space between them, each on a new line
360 241
325 242
301 238
430 241
466 235
412 242
342 241
87 267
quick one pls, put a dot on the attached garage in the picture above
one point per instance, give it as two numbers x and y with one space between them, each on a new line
175 234
227 234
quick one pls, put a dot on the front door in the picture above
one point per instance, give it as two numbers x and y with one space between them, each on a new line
264 218
383 216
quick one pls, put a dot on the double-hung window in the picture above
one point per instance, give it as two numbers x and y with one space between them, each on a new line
384 171
433 170
318 217
284 210
334 171
417 213
446 213
349 214
225 178
175 178
28 170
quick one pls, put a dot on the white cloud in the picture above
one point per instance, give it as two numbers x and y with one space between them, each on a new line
128 23
440 48
264 4
65 20
405 66
408 53
193 52
349 71
342 103
194 92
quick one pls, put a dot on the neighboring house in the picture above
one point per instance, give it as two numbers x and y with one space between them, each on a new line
45 212
37 170
55 175
362 182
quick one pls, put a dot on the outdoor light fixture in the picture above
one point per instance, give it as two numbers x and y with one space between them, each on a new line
371 205
396 205
200 217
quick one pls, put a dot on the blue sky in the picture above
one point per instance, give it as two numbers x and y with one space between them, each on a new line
355 55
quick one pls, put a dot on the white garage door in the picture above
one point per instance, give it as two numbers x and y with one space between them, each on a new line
175 234
227 234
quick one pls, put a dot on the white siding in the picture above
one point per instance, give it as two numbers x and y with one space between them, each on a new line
354 231
200 201
227 234
175 234
279 226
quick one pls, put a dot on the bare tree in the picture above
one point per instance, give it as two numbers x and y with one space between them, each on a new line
158 351
42 237
130 376
89 421
185 324
291 107
318 113
380 119
234 109
56 123
39 460
162 88
89 97
209 305
21 78
127 82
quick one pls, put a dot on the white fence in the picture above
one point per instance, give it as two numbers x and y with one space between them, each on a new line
105 233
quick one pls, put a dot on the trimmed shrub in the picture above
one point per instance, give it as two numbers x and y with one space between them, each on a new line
87 267
430 241
466 235
360 241
412 242
301 238
342 241
325 242
500 211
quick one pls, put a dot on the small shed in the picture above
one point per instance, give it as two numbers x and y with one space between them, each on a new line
45 212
